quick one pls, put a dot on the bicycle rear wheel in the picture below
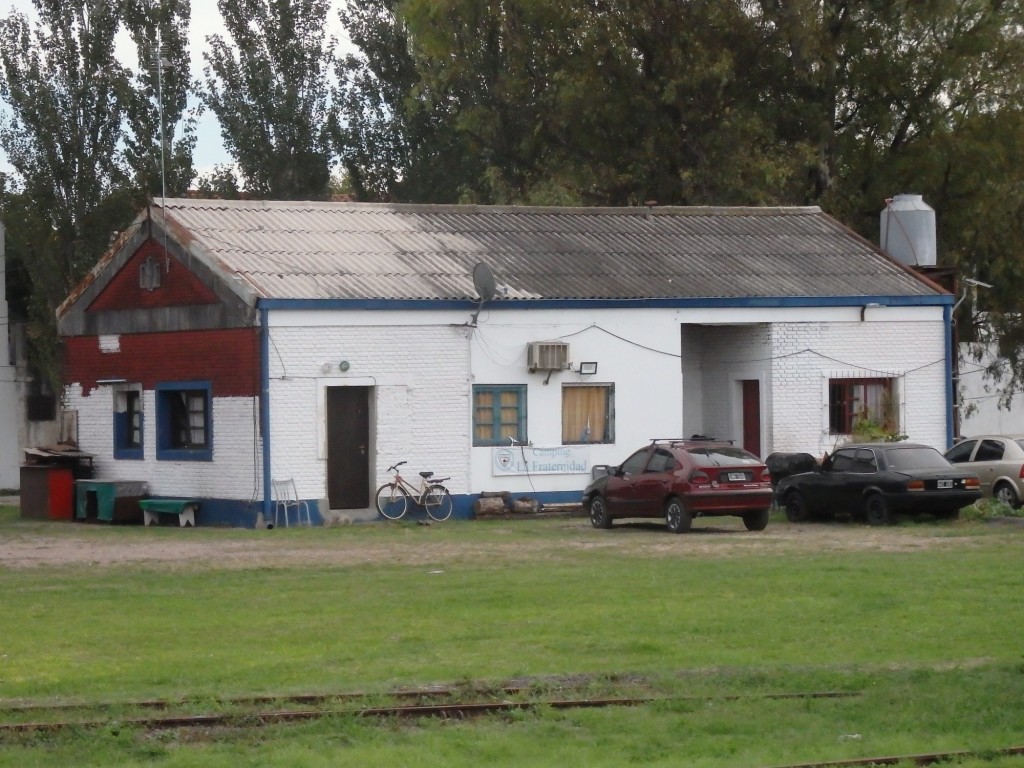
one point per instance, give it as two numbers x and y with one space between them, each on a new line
392 501
438 502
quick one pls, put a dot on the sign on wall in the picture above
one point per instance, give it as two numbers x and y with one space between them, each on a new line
527 460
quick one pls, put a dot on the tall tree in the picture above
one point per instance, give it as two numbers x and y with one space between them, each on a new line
588 101
61 83
269 88
974 177
907 96
394 144
863 80
162 134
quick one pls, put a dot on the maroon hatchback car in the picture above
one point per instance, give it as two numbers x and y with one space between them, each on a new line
678 480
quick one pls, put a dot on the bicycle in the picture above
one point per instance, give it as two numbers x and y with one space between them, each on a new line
393 498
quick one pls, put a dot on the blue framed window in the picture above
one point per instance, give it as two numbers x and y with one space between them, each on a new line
184 419
499 413
128 424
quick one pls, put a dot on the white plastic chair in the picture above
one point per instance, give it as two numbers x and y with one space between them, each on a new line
286 498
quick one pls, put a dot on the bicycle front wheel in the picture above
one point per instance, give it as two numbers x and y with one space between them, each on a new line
392 501
438 502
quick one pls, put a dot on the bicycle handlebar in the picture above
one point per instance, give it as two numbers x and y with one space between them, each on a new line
394 467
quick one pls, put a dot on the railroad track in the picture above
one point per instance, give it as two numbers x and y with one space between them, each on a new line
932 758
434 702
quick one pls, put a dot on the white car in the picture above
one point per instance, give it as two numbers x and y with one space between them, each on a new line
998 460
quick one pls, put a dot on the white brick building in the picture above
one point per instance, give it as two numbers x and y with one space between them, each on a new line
354 336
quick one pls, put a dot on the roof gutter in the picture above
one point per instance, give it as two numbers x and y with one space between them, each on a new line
748 302
265 407
947 317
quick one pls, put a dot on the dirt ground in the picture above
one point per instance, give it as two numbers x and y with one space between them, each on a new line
33 544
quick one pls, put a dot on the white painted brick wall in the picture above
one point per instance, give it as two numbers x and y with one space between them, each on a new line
421 412
731 354
806 355
422 376
234 473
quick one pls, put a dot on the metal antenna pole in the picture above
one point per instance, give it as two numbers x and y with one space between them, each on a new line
160 101
160 60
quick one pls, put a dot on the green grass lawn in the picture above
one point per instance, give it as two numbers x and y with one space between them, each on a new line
928 635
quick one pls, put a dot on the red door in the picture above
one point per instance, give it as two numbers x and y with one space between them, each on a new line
752 416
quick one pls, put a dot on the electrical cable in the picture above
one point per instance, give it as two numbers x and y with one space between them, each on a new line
808 350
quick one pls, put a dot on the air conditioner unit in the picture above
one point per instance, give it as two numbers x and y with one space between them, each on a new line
547 355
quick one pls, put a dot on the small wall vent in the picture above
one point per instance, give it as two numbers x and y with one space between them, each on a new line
547 355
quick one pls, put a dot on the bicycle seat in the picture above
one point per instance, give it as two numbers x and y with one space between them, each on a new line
426 474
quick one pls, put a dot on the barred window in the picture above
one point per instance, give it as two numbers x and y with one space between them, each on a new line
853 401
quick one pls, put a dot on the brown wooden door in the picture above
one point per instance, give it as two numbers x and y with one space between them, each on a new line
752 416
348 455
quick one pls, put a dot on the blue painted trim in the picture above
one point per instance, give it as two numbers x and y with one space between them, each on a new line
122 427
233 513
239 513
665 303
265 408
121 449
496 413
164 451
947 316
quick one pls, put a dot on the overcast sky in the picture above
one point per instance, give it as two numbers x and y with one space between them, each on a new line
205 21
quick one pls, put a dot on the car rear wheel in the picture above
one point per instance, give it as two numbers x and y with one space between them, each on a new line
876 510
677 517
756 521
797 510
599 517
1006 494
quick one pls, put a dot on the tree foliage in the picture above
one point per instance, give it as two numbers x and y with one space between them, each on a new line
81 135
162 132
62 85
268 86
841 103
393 142
586 101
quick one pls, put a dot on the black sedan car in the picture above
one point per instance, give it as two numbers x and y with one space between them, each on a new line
874 481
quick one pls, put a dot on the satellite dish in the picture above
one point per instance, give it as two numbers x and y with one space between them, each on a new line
483 280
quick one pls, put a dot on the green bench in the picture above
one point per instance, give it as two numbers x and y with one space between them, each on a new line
185 509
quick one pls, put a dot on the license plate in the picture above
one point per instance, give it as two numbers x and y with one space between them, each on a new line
737 477
944 484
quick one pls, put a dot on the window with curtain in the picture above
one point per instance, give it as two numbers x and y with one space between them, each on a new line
128 423
588 413
499 413
184 422
853 400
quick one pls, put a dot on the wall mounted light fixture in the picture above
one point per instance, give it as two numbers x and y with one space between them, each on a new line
588 369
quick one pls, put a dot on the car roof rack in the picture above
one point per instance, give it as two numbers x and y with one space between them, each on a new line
691 439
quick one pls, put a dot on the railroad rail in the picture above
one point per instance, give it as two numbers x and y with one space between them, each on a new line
931 758
321 705
434 702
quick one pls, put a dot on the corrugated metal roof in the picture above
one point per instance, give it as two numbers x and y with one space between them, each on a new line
314 250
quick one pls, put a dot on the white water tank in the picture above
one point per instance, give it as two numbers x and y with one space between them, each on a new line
908 231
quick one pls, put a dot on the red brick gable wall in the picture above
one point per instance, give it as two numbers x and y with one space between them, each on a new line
228 359
178 286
